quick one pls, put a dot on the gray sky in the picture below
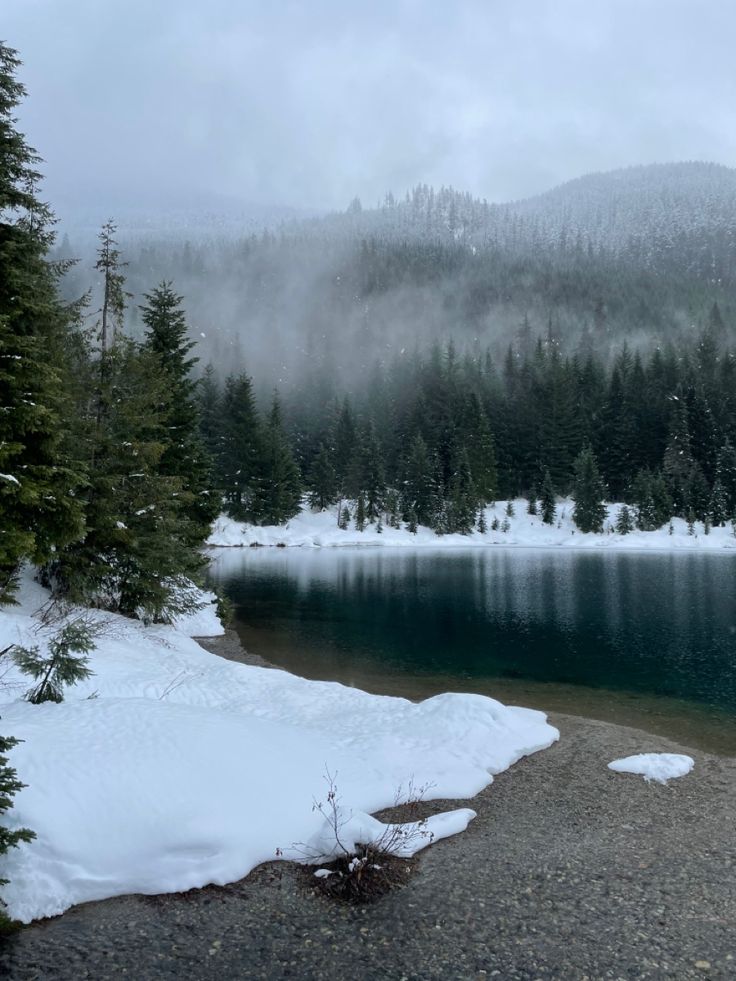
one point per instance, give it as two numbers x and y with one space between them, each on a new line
311 103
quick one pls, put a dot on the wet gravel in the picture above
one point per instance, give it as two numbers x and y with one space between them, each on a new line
569 872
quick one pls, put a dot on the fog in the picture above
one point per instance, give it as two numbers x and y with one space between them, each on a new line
154 105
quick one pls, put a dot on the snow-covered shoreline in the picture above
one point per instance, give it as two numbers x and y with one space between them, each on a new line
171 768
319 529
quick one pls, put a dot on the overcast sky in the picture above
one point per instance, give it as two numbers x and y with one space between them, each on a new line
310 103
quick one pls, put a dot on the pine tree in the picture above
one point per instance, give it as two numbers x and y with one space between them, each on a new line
588 493
718 507
373 474
241 448
65 664
344 522
624 521
344 441
462 500
136 557
641 494
9 787
277 493
482 524
549 508
211 416
184 455
41 472
360 513
114 295
322 480
418 484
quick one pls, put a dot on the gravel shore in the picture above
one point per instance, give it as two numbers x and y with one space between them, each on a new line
569 872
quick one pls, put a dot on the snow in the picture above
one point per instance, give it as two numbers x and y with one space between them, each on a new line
171 768
660 767
10 478
316 529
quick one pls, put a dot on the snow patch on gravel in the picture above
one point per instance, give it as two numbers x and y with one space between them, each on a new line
659 767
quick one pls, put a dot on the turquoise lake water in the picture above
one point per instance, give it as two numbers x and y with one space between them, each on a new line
638 638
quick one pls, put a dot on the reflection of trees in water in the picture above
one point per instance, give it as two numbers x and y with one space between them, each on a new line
659 623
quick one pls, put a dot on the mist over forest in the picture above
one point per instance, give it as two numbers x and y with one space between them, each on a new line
638 255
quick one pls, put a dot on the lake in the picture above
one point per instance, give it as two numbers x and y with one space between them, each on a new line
636 638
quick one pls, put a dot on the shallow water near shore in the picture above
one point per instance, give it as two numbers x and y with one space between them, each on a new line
642 640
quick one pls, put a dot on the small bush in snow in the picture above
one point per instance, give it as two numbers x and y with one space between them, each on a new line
364 872
64 664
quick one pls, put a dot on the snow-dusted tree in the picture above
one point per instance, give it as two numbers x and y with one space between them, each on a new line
547 500
322 480
624 521
278 487
39 469
588 493
9 787
184 454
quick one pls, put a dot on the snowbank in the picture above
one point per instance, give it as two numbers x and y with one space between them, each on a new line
655 766
315 529
172 768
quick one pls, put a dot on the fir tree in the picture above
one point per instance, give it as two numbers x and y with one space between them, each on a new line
418 484
588 493
277 495
322 480
360 513
718 507
373 474
241 448
462 500
624 521
344 522
136 557
548 503
184 455
64 665
41 472
9 787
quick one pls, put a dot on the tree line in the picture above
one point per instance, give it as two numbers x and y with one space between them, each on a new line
433 439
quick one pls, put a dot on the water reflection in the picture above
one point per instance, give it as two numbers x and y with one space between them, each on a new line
655 623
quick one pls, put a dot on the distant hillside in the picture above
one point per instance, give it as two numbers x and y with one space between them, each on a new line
639 255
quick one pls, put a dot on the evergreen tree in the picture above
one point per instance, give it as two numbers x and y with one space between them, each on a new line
718 507
373 474
462 500
114 295
136 557
9 787
418 485
360 513
41 472
64 665
184 455
548 500
211 416
588 493
277 493
624 521
678 458
322 480
344 443
241 448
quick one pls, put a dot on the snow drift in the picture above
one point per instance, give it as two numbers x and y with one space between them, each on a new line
317 529
172 768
